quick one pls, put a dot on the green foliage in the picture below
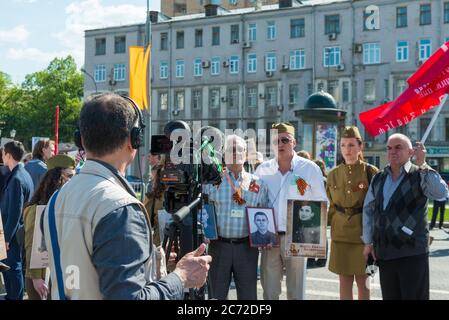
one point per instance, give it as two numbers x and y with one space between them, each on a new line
30 108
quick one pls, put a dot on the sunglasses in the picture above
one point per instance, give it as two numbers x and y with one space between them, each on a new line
283 141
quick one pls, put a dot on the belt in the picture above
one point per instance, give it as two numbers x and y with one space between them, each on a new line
281 233
233 240
350 211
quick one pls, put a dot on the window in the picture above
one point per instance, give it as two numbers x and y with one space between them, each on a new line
163 100
423 124
179 68
297 28
100 73
215 36
164 41
446 12
197 99
270 62
233 98
386 89
252 63
447 129
214 98
271 96
234 65
233 2
119 72
332 24
215 66
370 90
293 94
180 8
180 40
332 89
235 33
252 32
425 14
425 48
371 53
198 67
198 38
120 44
402 51
309 89
345 96
163 70
401 17
100 47
251 97
297 59
399 86
271 30
179 100
332 56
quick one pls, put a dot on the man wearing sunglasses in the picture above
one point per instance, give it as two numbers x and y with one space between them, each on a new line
282 175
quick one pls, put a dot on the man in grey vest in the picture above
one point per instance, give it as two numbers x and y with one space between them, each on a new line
395 230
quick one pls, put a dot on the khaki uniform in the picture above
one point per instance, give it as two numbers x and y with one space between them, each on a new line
346 189
158 203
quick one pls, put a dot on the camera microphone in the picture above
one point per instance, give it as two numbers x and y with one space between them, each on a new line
184 211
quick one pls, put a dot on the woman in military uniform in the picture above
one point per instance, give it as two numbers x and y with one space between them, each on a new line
347 185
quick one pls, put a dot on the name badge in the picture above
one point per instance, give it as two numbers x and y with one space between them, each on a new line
237 213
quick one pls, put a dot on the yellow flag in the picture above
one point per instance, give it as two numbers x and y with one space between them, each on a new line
138 68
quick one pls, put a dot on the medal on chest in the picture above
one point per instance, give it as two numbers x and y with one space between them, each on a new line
237 195
302 185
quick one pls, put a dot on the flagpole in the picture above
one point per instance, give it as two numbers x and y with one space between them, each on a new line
434 118
149 106
56 129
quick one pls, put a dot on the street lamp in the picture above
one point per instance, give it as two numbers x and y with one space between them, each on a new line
12 133
90 76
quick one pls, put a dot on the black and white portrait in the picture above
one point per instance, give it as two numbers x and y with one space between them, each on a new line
262 227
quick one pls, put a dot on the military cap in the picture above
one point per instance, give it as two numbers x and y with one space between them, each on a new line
351 132
284 127
61 161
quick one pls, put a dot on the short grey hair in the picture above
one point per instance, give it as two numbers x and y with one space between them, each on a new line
402 137
238 141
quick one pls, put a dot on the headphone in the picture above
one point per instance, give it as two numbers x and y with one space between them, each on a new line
137 133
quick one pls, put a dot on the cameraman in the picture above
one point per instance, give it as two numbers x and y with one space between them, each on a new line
102 230
231 252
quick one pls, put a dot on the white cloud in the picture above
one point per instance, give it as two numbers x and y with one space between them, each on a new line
17 34
92 14
34 54
25 1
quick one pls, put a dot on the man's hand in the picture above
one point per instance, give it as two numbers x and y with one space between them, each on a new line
193 268
420 154
369 250
267 247
41 288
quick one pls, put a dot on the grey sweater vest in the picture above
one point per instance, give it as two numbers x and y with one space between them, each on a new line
406 210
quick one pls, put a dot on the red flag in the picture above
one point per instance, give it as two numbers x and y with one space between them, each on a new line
427 87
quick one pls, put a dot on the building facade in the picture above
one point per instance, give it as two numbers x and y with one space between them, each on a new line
250 67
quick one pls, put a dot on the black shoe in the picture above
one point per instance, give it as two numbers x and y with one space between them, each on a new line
321 263
3 267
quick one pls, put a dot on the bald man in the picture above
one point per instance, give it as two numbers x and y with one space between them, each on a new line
395 230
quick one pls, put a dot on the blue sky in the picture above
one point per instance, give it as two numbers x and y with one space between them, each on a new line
33 32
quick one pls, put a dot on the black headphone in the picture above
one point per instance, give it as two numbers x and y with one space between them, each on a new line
137 133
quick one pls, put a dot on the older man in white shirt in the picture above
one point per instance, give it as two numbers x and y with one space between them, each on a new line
281 174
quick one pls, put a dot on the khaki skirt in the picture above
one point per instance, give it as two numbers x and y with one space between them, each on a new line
347 259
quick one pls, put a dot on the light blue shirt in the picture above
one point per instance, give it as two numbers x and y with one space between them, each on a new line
433 186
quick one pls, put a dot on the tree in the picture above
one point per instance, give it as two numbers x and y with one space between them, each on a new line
30 108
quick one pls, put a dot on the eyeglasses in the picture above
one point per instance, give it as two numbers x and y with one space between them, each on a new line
283 141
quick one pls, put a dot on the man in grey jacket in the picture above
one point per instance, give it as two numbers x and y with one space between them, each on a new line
395 230
102 230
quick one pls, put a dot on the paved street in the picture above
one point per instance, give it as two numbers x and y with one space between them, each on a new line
323 285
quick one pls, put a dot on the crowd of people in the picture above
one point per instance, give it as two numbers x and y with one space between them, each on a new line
94 221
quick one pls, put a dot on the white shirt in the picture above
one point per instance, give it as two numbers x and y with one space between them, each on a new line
282 188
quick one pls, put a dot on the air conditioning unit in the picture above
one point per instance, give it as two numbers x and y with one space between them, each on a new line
332 36
285 67
261 96
340 67
269 74
224 99
206 64
358 48
235 41
246 44
368 144
420 62
433 162
225 64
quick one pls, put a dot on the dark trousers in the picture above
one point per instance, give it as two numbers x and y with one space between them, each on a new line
405 278
14 282
437 206
233 259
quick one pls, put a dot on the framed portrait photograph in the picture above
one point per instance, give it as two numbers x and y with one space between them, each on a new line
262 227
306 229
2 242
208 219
